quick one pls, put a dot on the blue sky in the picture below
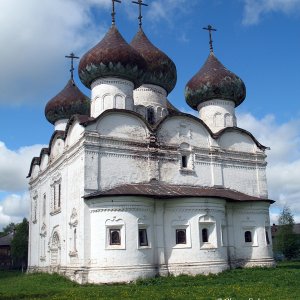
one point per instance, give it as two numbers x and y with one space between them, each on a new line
256 39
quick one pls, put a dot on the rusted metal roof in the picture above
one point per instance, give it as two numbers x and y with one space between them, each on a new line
155 189
161 70
68 102
112 57
214 81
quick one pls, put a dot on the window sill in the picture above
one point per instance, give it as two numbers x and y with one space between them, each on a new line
250 245
144 247
208 246
115 247
182 246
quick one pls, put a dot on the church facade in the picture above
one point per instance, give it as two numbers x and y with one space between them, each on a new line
130 187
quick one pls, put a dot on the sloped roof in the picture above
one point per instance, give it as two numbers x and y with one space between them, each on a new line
155 189
6 239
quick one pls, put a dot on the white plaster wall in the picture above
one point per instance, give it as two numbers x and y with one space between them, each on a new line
71 176
35 171
44 162
124 126
128 169
61 124
150 96
108 93
127 261
74 134
57 148
198 175
217 114
178 130
255 218
237 141
194 257
241 178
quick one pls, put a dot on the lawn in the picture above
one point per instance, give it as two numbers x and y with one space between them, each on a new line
282 282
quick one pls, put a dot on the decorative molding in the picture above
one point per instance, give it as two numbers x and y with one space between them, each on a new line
119 209
73 218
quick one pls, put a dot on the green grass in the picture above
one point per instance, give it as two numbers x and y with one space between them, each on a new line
282 282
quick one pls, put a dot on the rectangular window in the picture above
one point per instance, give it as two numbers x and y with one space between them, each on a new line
184 161
248 236
44 205
114 237
59 195
267 237
143 239
180 236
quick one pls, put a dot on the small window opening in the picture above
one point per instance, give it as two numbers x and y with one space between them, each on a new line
184 161
115 238
248 237
59 195
180 236
143 239
44 205
204 235
267 238
150 115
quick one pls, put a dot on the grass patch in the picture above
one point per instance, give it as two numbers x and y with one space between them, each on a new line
282 282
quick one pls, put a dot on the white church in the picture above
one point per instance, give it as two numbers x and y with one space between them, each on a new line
130 187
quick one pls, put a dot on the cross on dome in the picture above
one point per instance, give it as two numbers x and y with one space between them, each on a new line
72 57
209 28
140 4
113 13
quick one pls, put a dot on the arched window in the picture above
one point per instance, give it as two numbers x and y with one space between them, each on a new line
218 120
150 115
248 237
204 235
267 237
180 236
115 237
228 120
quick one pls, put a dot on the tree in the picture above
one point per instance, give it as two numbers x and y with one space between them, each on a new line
19 244
286 240
8 228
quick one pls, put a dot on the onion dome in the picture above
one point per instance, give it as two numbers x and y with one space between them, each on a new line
161 70
111 57
68 102
214 81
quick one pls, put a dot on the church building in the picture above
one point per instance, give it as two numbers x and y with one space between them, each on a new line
130 187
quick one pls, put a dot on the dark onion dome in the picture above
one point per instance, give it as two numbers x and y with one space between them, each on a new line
161 70
214 81
68 102
112 57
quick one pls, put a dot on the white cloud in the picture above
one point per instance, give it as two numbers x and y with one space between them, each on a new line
254 10
283 171
14 208
14 166
167 9
34 39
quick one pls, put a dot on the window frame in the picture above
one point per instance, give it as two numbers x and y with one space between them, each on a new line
177 231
